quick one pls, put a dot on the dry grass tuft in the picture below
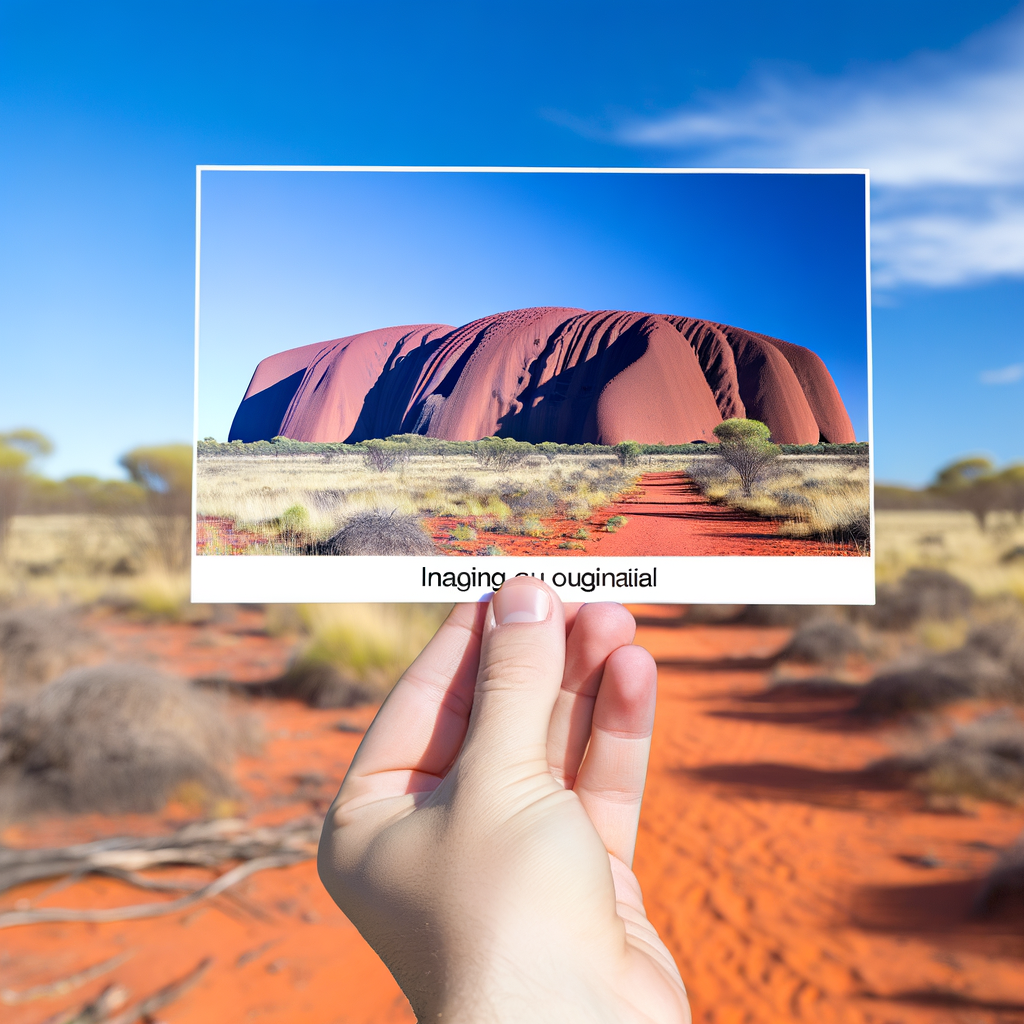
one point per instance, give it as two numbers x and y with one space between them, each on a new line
37 644
823 642
258 495
953 542
379 533
920 594
352 653
983 759
821 497
114 738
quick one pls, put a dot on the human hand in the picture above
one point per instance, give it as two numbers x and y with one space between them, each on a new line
483 837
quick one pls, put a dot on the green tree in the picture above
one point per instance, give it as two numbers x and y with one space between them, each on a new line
1011 486
165 472
629 453
971 485
501 453
18 450
746 445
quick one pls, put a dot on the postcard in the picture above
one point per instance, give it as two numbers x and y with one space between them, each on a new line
641 384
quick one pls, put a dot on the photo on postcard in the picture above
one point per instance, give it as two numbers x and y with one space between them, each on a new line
646 384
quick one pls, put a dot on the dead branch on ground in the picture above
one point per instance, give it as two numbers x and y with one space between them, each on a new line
207 844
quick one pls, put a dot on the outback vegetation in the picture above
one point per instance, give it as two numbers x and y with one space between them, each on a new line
288 497
374 497
825 497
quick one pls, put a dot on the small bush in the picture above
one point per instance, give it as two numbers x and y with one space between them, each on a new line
463 532
493 549
1004 886
746 446
379 533
115 738
533 527
577 508
502 453
615 523
36 646
822 642
384 455
920 594
572 545
935 681
582 534
984 759
628 453
294 521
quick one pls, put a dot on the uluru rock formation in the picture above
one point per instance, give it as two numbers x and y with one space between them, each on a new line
546 374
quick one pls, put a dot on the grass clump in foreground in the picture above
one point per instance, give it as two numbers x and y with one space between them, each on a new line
115 738
351 654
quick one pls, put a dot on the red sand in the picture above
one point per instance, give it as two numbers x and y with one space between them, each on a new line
545 374
787 884
665 515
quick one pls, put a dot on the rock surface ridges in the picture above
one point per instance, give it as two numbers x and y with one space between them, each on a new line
545 374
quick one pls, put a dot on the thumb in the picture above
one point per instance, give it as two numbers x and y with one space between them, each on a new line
522 655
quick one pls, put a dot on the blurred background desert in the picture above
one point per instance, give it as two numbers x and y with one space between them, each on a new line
833 815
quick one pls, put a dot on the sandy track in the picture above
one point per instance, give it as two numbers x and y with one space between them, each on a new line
669 516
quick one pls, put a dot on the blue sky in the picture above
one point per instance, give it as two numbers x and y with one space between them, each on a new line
293 258
105 109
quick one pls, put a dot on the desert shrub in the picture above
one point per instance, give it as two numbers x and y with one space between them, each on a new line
463 532
384 455
294 521
822 642
523 500
460 484
582 534
746 446
919 595
501 453
114 738
353 654
983 759
1004 886
533 527
615 523
577 508
572 545
379 533
628 453
36 646
934 681
710 473
493 549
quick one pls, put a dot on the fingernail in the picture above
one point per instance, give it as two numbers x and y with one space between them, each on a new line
520 604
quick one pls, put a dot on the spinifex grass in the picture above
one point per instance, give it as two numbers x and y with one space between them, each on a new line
288 504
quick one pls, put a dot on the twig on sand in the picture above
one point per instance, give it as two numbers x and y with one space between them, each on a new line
60 987
207 844
103 1009
139 910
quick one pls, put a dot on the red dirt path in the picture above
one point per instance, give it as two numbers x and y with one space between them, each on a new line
789 886
669 516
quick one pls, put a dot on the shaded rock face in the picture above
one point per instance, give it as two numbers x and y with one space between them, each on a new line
545 374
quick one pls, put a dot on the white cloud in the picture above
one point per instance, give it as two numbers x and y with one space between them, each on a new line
943 137
1007 375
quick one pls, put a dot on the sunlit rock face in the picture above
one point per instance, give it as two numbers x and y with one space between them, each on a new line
546 374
